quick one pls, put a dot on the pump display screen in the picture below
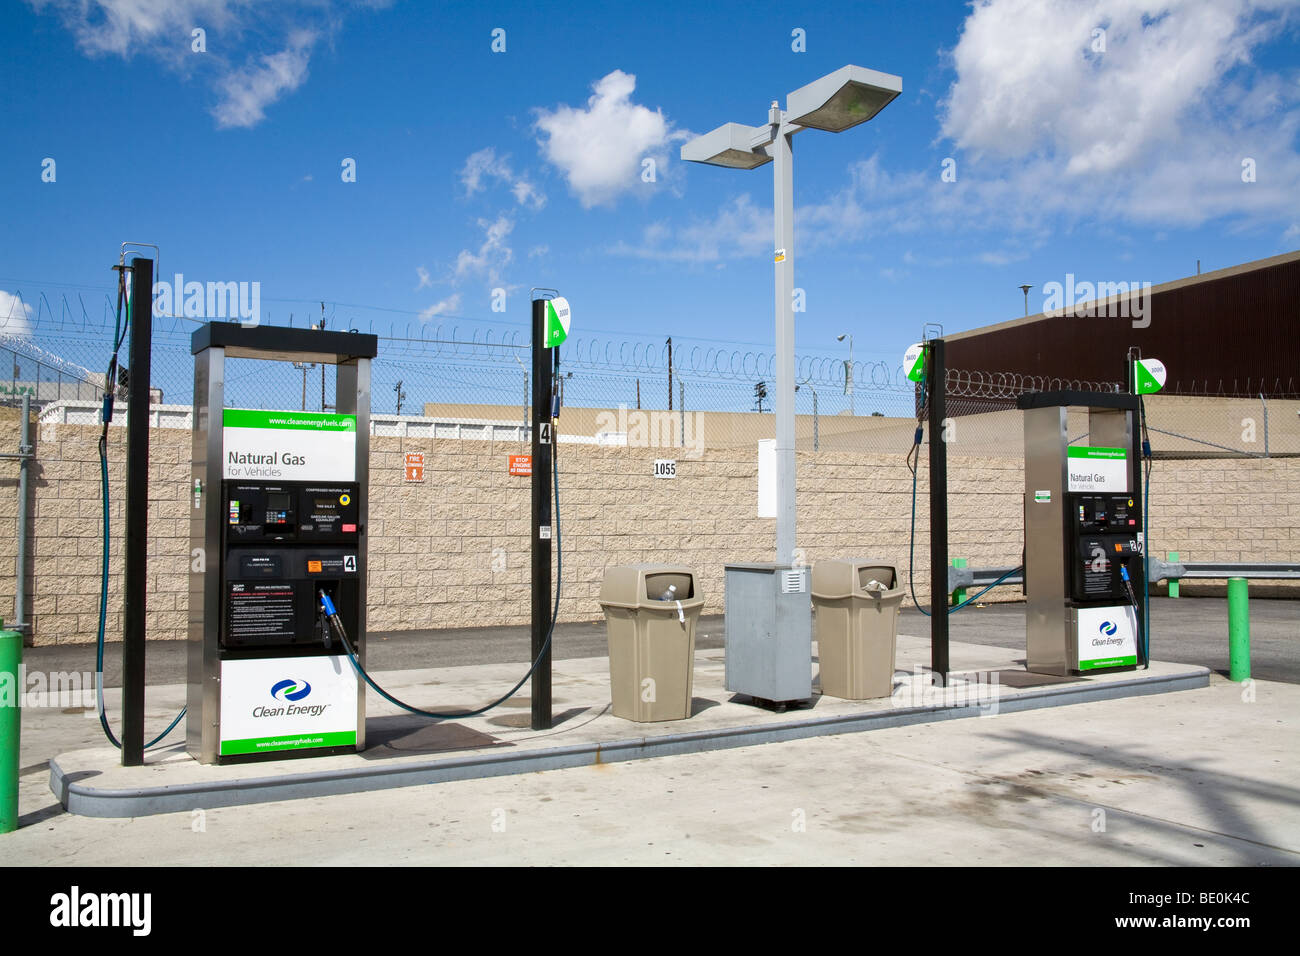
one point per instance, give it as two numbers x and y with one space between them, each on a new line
277 508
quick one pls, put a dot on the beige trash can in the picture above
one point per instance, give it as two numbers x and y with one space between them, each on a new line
857 605
651 640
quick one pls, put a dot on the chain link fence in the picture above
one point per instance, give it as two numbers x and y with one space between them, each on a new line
720 397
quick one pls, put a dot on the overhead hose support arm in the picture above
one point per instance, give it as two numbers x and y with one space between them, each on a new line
110 384
914 466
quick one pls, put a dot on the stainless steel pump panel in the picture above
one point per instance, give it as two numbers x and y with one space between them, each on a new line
278 526
1083 530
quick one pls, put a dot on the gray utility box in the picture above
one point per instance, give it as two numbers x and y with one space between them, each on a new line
769 632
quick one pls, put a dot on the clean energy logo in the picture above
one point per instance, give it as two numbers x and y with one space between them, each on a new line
1107 627
296 690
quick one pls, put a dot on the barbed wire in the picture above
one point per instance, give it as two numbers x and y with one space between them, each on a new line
25 348
969 383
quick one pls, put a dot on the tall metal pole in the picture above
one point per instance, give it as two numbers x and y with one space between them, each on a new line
525 371
681 411
935 368
816 439
1140 505
783 401
852 384
670 373
543 448
20 553
135 591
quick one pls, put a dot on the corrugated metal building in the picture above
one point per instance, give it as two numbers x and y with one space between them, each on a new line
1234 332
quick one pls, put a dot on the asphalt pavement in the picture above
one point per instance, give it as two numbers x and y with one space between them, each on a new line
1183 630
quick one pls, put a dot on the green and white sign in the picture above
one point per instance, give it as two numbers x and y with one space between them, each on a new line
289 446
1097 469
914 362
287 703
1107 637
1149 374
557 321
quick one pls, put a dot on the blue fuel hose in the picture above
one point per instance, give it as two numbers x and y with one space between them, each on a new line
331 617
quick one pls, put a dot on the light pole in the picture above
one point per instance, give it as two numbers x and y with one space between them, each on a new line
848 372
836 102
1025 289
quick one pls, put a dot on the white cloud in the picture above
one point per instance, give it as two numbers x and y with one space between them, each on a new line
600 149
538 251
493 253
1153 129
737 229
423 274
15 315
449 304
122 27
276 38
485 164
247 92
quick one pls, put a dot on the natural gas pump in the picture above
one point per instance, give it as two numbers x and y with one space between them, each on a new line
278 532
1083 534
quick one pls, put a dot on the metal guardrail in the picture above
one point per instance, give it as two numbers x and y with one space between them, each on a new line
959 578
1260 571
1157 570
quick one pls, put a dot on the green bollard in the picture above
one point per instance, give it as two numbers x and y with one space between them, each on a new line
11 698
958 595
1173 582
1238 630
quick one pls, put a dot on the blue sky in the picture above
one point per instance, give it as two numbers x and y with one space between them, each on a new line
1115 156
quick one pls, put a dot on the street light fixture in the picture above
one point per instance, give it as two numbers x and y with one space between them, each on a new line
836 102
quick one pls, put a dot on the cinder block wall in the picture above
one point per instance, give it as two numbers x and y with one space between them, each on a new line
453 551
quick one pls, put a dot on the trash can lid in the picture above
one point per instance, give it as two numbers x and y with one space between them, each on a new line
843 577
629 585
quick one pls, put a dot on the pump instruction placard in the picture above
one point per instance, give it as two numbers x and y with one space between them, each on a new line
1097 469
287 703
302 446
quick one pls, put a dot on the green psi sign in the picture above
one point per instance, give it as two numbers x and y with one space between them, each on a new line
1149 374
557 321
914 362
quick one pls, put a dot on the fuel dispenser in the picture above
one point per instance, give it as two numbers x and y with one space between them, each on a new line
278 535
1083 534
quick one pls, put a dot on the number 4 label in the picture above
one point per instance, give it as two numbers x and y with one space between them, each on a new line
545 438
350 563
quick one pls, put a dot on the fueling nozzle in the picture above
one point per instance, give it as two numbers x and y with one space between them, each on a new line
331 615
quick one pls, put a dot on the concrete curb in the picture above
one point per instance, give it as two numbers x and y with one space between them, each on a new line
79 796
